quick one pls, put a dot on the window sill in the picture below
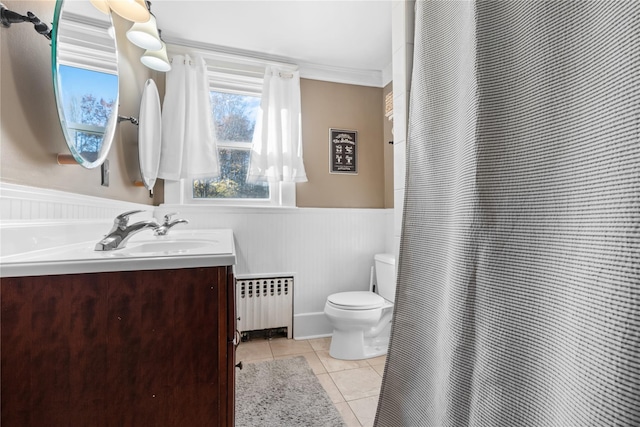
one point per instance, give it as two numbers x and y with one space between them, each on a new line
225 209
176 193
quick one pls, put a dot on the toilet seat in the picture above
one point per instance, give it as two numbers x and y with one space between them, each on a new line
356 300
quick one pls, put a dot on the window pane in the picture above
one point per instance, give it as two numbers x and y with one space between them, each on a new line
234 117
232 181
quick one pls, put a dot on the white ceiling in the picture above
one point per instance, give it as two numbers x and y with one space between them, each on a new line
349 34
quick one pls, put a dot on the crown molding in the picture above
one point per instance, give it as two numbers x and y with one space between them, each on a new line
341 75
307 70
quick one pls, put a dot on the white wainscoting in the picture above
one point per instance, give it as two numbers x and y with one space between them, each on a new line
37 218
328 250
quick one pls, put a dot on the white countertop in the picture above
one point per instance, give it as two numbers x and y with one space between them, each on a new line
206 248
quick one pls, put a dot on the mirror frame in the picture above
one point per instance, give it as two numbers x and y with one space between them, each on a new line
112 123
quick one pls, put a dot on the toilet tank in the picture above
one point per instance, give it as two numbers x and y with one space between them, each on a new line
386 276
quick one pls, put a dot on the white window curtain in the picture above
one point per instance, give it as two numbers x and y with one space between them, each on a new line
188 139
276 154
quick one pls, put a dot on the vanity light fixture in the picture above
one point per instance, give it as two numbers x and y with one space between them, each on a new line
131 10
145 34
101 5
157 59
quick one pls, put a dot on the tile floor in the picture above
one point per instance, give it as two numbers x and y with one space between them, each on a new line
353 386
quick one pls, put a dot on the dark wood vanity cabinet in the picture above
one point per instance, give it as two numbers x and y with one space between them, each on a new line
132 348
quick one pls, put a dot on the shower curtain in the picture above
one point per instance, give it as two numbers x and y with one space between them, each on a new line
518 300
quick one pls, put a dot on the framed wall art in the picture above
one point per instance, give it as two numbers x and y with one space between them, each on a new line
343 151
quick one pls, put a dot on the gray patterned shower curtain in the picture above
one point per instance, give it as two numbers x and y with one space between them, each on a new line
518 300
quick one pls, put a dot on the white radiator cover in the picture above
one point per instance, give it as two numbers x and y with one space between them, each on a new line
265 303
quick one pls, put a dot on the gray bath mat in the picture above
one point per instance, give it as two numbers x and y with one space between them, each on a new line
282 393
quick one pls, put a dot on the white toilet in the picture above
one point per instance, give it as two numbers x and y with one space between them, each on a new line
362 320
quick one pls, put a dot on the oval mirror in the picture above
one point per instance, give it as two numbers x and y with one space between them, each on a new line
149 134
85 79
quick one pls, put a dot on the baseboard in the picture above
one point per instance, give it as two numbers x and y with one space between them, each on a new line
311 325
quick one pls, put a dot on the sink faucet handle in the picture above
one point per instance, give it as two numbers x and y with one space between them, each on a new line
168 216
164 228
123 219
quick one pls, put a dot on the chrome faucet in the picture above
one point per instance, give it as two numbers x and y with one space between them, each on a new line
163 229
121 231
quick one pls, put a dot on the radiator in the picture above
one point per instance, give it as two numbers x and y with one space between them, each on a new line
265 303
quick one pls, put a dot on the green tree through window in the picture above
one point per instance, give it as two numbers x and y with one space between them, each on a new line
234 117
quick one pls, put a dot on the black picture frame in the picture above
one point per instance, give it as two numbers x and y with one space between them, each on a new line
343 151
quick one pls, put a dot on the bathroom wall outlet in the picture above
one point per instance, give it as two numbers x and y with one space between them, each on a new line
105 173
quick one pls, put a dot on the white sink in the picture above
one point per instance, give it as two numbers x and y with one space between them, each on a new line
178 242
169 247
178 249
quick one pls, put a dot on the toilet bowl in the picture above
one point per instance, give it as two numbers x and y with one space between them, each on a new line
362 320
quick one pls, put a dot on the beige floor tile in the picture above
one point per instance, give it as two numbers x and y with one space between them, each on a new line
379 369
348 416
380 360
284 346
357 383
254 350
365 410
320 344
312 359
330 387
334 365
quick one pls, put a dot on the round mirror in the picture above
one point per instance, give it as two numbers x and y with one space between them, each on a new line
85 79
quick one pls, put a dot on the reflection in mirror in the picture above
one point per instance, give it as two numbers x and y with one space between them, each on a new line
85 80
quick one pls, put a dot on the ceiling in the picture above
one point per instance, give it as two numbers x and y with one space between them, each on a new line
349 34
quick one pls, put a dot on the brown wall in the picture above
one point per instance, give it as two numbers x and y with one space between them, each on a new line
30 131
333 105
30 134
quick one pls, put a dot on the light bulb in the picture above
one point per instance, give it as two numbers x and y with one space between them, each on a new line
101 5
157 59
131 10
145 34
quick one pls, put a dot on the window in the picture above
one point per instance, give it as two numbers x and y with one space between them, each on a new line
234 118
235 88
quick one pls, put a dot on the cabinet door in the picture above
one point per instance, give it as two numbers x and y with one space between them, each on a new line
54 350
163 330
116 349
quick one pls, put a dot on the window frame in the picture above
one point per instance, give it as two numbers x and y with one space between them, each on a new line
242 80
